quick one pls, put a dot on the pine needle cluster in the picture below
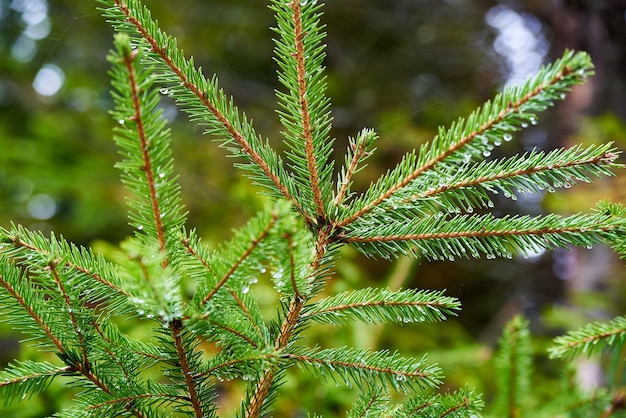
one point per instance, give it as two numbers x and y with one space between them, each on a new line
434 204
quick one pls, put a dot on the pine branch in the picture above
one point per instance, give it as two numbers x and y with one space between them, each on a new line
590 339
305 107
203 99
382 305
513 109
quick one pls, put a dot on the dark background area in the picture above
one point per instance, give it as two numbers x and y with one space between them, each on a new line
402 67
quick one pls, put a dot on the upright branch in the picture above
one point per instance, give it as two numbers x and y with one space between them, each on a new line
304 107
129 62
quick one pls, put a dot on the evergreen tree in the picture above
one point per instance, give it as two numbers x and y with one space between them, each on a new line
435 203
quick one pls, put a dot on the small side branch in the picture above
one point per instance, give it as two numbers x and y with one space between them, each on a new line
19 298
129 60
52 266
246 254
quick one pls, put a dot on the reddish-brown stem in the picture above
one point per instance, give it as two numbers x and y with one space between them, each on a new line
460 234
510 109
176 328
145 151
195 254
245 255
366 410
380 303
292 267
307 130
286 331
206 102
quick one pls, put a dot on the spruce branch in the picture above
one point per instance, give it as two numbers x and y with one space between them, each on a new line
529 173
254 242
590 339
25 379
203 99
20 305
365 367
466 139
185 369
463 403
440 236
97 279
382 305
513 364
359 150
305 107
373 403
144 141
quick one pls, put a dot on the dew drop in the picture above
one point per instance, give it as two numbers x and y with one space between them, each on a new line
533 120
507 137
161 175
140 227
245 289
121 121
497 142
486 153
524 125
164 91
562 96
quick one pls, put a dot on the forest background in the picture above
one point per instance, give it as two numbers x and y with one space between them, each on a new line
402 67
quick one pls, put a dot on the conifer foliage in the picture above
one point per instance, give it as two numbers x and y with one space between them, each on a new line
435 203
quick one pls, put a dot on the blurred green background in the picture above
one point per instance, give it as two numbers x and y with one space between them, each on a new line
402 67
